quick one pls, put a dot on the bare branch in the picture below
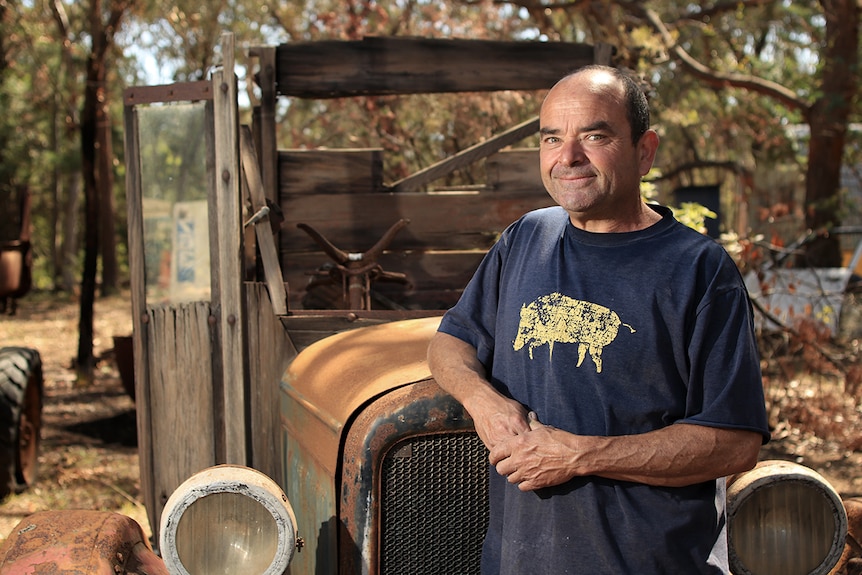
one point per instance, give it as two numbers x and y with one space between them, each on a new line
719 8
722 79
688 166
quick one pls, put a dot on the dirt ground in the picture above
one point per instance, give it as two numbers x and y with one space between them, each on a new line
88 453
88 456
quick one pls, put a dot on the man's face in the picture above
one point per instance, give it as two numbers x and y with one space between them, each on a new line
589 164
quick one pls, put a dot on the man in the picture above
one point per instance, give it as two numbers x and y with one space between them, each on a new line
607 356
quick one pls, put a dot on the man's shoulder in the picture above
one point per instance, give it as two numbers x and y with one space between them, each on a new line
548 214
543 224
553 217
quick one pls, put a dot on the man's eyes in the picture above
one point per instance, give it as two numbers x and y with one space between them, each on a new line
586 138
591 138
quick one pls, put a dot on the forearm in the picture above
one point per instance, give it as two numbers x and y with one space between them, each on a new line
681 454
674 456
458 371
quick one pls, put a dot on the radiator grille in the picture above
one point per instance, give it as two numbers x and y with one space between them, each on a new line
435 505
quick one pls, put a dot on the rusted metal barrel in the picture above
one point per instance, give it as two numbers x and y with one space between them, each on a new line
784 519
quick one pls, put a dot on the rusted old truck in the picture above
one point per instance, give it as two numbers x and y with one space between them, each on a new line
277 436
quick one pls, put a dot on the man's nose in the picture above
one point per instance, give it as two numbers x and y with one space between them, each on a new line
571 152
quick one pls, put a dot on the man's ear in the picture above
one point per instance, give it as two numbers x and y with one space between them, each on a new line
647 148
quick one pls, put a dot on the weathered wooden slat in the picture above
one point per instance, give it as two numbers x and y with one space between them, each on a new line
180 92
426 270
262 227
307 327
265 127
430 273
437 221
317 172
419 301
270 350
228 242
137 274
181 394
514 171
358 171
404 65
467 156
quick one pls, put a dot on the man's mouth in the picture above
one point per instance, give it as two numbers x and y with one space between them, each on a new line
573 175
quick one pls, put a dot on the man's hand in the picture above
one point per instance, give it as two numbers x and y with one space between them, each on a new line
457 370
535 458
673 456
496 417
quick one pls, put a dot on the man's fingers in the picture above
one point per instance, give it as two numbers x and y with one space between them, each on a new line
533 420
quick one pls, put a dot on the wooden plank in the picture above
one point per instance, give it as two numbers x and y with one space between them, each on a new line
404 65
306 328
514 171
181 395
317 172
467 156
228 242
270 351
179 92
354 222
418 301
264 129
430 273
262 227
137 274
268 155
426 270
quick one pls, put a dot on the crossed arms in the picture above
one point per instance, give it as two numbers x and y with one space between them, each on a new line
532 455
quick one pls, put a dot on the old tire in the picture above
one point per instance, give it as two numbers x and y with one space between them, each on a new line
21 388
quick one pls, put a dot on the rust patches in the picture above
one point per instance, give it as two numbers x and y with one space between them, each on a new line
850 562
421 408
78 542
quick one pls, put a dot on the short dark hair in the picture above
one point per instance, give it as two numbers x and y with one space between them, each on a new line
637 106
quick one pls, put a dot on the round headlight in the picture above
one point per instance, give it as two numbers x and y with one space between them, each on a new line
226 520
784 518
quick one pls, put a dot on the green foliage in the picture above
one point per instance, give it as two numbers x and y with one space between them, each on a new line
693 215
690 214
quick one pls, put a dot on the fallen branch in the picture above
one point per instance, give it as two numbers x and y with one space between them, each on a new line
792 331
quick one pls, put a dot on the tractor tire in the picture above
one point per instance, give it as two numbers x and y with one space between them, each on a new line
21 392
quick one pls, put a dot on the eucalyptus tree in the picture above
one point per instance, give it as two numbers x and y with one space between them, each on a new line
31 101
732 79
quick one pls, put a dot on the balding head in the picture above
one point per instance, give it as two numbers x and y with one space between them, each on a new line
609 80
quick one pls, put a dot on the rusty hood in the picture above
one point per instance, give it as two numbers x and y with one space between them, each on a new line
335 376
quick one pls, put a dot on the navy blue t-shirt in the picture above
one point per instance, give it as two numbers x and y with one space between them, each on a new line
612 334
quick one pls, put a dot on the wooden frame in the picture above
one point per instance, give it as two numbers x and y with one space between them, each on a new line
190 365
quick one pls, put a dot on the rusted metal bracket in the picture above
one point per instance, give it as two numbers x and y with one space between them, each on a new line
357 270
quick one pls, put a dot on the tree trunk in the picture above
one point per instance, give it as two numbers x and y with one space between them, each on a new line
105 179
85 359
69 245
96 161
53 233
828 120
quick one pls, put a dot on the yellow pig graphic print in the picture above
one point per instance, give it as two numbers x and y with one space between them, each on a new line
557 318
